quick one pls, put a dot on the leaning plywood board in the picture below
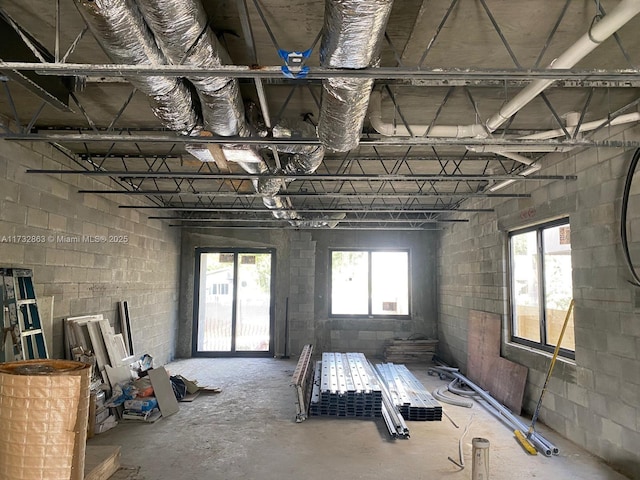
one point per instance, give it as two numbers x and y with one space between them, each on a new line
163 391
507 383
101 462
504 379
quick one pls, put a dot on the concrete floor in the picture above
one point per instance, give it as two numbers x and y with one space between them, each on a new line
248 432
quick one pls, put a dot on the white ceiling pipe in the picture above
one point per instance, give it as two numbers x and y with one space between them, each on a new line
598 33
585 127
519 148
389 129
528 171
515 156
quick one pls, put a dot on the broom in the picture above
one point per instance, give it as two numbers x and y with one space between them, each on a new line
524 440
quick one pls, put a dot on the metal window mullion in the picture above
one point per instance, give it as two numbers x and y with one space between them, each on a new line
234 303
370 283
541 287
514 316
196 303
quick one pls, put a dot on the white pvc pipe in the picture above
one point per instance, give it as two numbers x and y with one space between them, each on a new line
519 148
515 156
528 171
610 23
441 131
585 127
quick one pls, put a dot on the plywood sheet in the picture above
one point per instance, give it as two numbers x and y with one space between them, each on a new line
505 380
101 462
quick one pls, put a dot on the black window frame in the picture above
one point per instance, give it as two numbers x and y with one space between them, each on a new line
369 251
542 345
236 252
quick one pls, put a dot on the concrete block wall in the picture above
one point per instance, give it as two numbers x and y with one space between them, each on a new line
278 240
302 268
85 251
370 335
594 401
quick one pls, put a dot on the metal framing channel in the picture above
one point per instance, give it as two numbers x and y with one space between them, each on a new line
411 398
301 380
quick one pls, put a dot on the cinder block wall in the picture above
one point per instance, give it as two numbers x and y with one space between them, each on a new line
302 287
45 225
235 239
302 281
369 335
593 401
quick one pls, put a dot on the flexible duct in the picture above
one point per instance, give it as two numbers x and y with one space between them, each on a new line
184 36
182 31
352 37
120 29
303 159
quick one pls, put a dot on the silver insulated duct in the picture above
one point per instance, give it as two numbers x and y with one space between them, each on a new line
184 36
121 31
302 159
352 37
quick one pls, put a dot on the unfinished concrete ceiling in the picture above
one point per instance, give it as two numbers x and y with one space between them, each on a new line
432 137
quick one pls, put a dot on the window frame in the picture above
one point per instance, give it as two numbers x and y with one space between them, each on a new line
369 251
542 344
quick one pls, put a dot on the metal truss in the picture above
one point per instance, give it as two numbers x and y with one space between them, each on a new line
374 188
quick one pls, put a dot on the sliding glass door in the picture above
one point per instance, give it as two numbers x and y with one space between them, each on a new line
233 302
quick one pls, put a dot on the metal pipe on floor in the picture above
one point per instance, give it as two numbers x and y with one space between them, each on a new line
547 448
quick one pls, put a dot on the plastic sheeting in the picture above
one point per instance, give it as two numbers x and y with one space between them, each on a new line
184 36
121 31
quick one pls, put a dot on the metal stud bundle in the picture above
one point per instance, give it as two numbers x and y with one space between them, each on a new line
345 386
409 396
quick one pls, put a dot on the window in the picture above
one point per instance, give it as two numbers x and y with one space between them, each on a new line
371 283
541 286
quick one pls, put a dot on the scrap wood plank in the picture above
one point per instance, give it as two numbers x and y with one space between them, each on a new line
504 379
101 462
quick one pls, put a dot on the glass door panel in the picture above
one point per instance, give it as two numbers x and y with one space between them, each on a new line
234 303
253 303
215 312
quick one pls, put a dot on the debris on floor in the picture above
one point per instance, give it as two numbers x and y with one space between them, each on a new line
124 386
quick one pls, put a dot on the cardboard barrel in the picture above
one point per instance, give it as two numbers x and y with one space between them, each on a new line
44 407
